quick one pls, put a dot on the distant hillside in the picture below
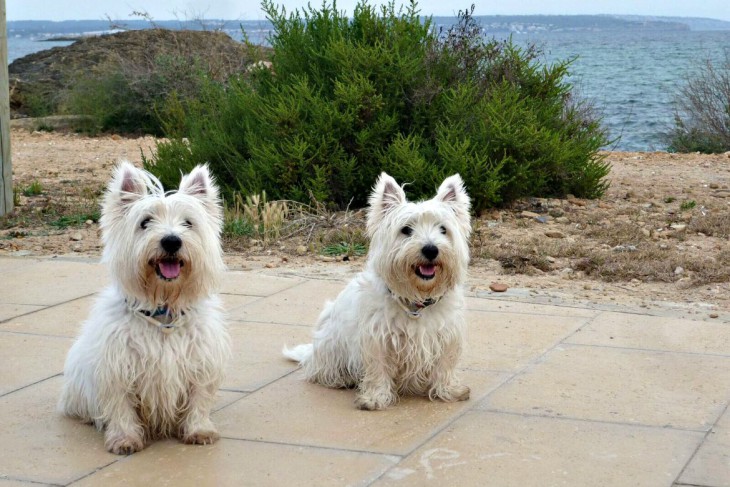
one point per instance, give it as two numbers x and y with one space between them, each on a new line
557 23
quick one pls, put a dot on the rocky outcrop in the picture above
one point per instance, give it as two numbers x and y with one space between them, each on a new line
37 81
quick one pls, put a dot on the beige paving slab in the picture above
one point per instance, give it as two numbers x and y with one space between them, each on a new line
236 463
504 450
60 320
48 282
629 386
255 284
226 398
505 306
40 444
256 358
655 333
711 464
8 311
9 263
20 483
29 358
508 341
299 305
234 302
293 411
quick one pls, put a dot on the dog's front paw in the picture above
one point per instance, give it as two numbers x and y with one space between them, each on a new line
451 393
207 437
374 402
123 444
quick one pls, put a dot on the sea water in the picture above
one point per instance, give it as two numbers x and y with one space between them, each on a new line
631 76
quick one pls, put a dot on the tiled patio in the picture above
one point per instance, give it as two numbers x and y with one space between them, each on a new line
561 395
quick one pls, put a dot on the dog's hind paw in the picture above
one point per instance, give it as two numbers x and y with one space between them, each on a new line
124 444
201 437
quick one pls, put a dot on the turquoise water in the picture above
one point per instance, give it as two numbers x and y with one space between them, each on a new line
631 75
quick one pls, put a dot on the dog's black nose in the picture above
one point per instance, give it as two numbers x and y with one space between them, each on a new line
171 243
430 251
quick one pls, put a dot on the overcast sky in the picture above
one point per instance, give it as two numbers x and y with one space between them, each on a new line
248 9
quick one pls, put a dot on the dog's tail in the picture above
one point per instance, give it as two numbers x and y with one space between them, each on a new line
300 353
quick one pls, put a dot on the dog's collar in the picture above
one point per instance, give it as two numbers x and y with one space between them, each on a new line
414 308
161 317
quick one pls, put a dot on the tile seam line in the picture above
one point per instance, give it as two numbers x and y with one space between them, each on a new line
43 307
30 385
30 481
638 349
587 420
99 469
600 308
438 431
701 442
508 378
316 447
28 333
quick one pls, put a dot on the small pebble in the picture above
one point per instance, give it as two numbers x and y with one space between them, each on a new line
714 315
498 287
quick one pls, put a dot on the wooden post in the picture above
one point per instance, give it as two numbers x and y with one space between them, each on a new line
6 175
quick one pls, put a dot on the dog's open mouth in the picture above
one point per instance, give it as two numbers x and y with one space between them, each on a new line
426 271
169 268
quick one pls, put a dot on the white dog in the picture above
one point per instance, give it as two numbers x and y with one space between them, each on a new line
398 328
150 357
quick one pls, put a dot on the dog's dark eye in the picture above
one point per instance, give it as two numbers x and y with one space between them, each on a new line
188 223
443 229
144 223
408 231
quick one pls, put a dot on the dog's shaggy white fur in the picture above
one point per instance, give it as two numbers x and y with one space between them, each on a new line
150 358
398 327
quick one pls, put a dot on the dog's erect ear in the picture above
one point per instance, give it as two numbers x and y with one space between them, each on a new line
199 183
127 186
453 193
386 195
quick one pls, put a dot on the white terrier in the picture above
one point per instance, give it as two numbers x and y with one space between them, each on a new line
150 357
398 328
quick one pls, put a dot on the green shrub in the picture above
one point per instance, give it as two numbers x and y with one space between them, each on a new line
348 98
126 99
702 110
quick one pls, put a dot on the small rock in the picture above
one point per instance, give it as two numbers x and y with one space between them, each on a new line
301 250
89 222
679 270
663 246
556 213
270 265
562 219
76 237
550 259
554 234
646 232
37 248
498 287
529 214
624 248
542 219
721 193
680 227
77 247
578 202
714 315
714 185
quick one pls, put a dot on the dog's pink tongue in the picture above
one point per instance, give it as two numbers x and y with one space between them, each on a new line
170 268
427 270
